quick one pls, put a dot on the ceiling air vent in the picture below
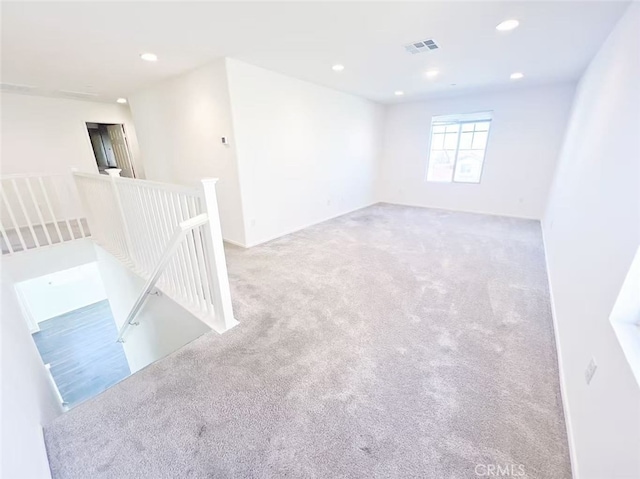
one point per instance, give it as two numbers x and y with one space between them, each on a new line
422 46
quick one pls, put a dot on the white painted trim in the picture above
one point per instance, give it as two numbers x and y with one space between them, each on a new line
563 388
27 314
235 243
294 230
300 228
54 386
475 212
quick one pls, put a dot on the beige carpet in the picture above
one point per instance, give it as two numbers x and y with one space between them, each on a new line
390 342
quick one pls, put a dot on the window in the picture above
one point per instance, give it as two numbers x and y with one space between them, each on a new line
458 145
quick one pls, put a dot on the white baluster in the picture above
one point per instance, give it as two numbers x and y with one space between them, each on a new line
190 255
50 208
182 263
200 256
12 217
38 211
5 238
24 212
85 200
57 198
145 230
114 174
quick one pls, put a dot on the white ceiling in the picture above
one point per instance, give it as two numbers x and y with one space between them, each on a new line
94 47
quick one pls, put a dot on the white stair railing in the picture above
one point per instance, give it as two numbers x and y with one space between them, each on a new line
137 221
178 236
38 211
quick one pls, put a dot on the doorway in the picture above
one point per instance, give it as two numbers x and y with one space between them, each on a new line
110 148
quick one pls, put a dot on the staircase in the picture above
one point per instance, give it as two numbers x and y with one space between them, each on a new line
169 235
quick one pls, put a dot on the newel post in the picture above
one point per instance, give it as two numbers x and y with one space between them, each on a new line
217 264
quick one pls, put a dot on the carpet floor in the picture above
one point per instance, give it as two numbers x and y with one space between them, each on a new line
391 342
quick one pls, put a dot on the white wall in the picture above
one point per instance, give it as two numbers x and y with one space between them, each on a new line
306 153
28 398
48 135
164 326
179 124
592 230
54 294
525 138
298 154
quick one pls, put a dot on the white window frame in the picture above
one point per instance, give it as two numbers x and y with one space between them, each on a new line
485 117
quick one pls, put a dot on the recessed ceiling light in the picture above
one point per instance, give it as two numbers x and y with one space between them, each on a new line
432 73
149 57
507 25
337 68
121 100
398 93
516 76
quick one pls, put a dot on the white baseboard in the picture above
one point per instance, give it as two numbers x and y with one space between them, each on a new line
299 228
563 388
476 212
235 243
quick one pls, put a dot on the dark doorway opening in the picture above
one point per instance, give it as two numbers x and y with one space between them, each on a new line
110 148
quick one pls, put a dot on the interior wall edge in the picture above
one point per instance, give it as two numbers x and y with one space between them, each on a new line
561 369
